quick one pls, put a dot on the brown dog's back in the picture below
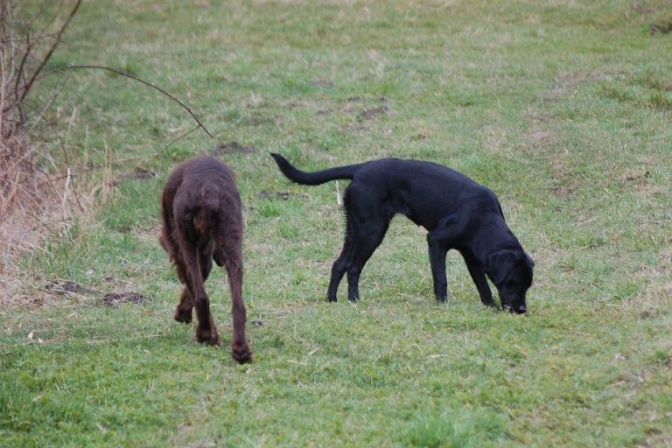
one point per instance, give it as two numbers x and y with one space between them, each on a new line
201 190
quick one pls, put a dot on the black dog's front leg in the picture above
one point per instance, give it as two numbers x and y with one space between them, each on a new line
353 284
478 276
440 240
437 261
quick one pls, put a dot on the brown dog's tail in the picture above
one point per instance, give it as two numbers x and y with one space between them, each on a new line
316 177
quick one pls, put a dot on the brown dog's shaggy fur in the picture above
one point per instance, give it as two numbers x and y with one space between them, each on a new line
202 221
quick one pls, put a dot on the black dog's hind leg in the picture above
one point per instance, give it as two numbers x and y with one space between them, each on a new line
366 225
360 243
337 272
344 260
369 240
478 276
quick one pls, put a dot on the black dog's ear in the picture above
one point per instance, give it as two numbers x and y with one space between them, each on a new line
499 265
529 260
530 266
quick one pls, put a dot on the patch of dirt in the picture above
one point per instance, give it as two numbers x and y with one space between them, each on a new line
370 114
355 127
256 121
661 28
633 176
284 195
643 10
544 143
540 140
137 174
324 83
565 191
565 184
655 297
115 298
65 287
231 148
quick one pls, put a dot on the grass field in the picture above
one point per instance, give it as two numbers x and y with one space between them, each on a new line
563 108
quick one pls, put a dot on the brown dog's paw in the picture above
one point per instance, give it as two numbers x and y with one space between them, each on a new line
210 336
241 353
183 316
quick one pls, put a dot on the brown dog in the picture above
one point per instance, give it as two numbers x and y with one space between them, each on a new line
202 221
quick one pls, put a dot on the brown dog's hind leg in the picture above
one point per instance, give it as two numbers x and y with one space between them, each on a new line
183 311
206 330
206 333
231 255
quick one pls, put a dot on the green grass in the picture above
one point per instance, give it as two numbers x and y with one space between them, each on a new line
562 108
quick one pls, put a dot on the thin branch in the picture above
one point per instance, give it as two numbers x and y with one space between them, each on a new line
20 71
135 78
54 16
3 75
65 151
57 40
180 137
48 102
27 52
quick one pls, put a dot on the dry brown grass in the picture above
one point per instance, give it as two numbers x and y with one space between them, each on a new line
32 198
29 207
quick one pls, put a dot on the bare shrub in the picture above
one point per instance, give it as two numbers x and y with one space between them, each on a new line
35 201
30 197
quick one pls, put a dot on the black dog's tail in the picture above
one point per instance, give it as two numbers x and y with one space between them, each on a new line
317 177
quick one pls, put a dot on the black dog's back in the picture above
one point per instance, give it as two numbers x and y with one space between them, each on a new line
422 191
425 192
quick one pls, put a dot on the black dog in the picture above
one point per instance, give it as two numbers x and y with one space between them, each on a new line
457 212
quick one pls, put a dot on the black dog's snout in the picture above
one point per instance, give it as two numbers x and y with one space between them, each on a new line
521 309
